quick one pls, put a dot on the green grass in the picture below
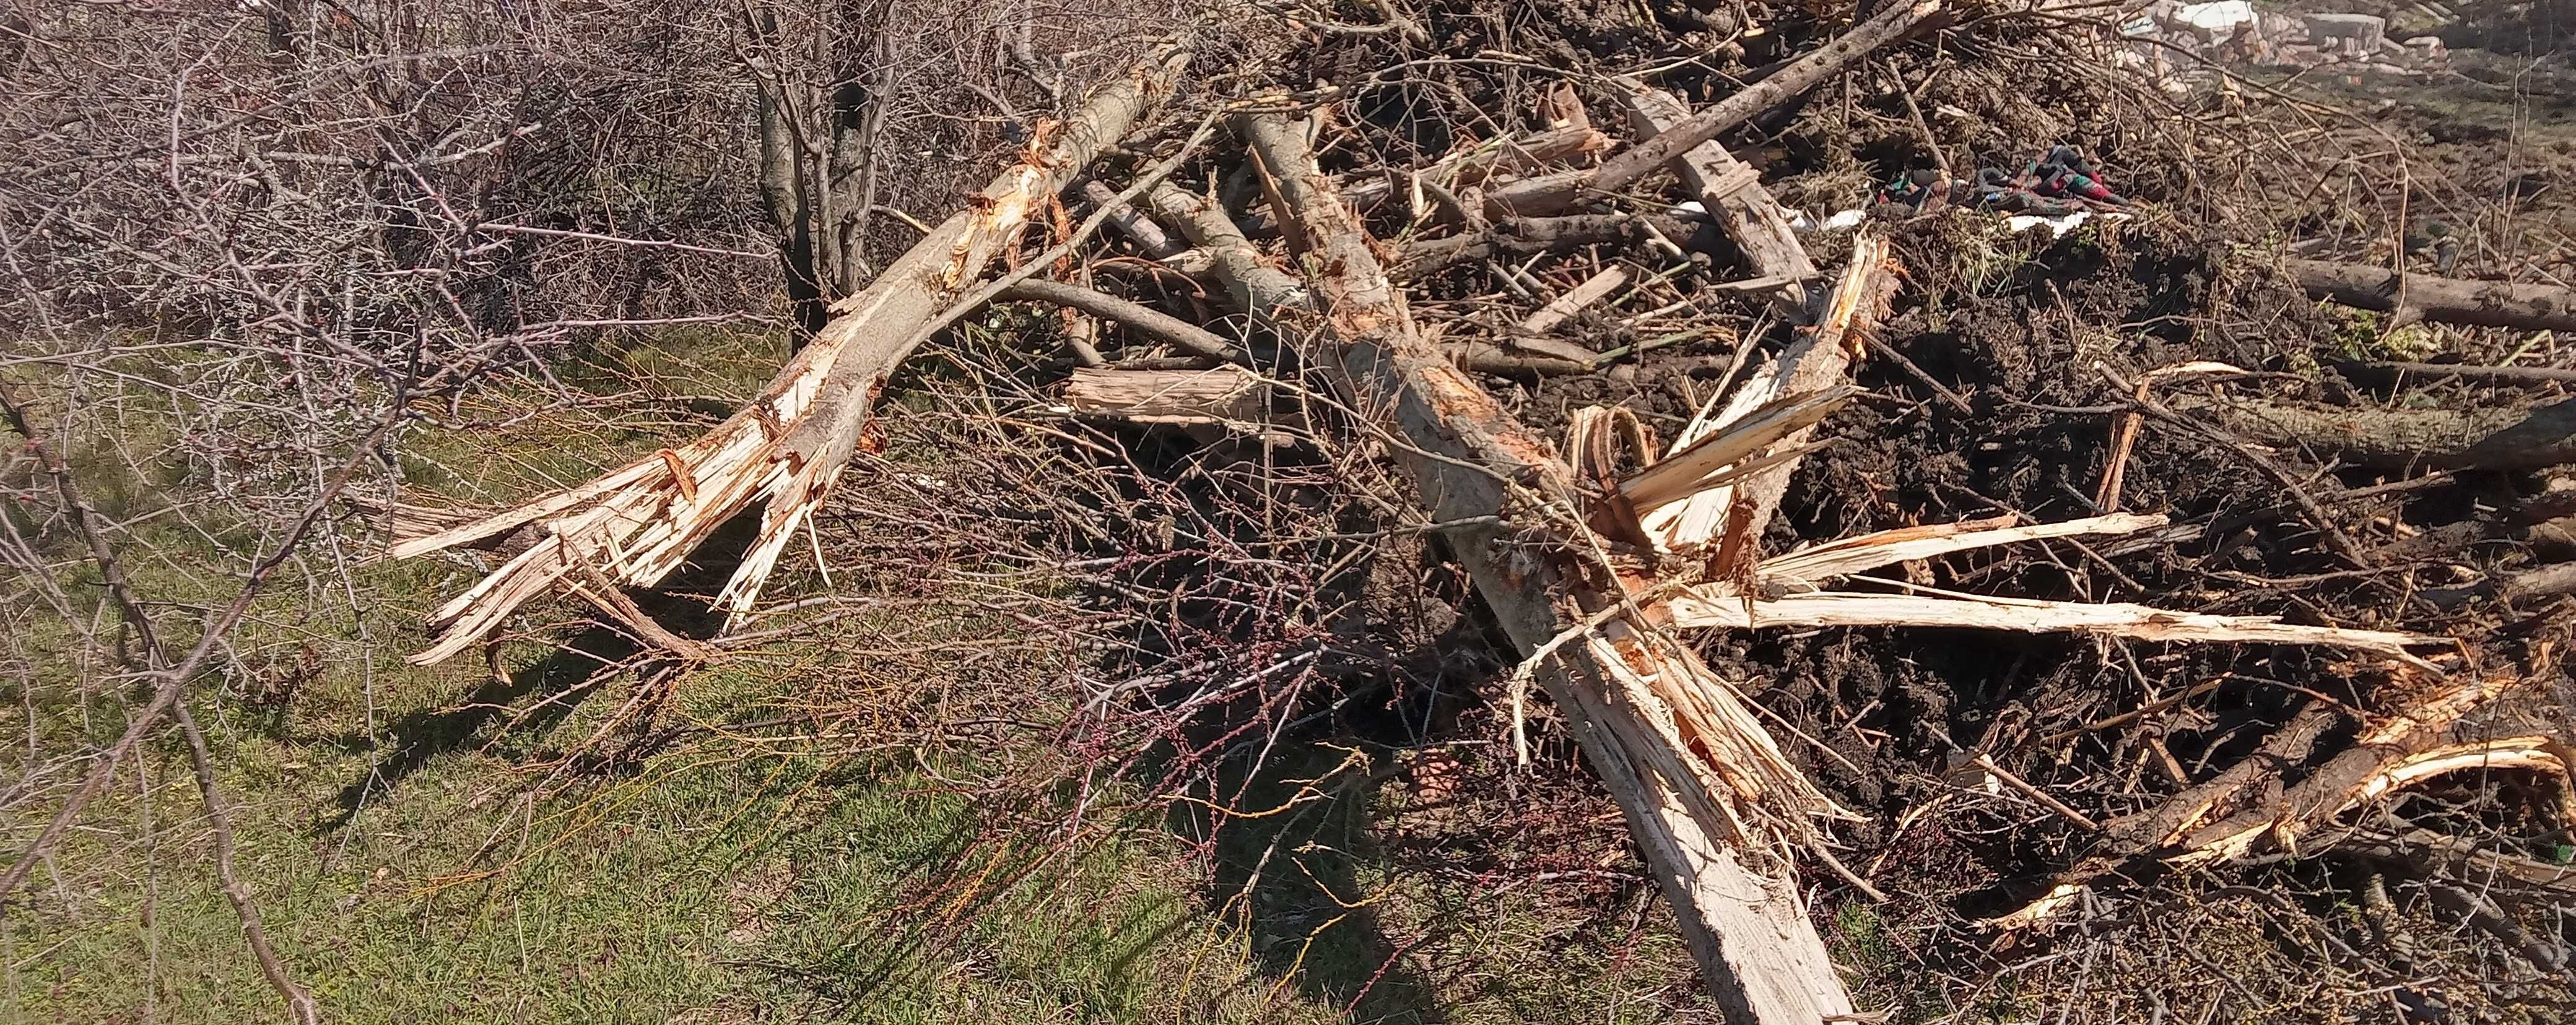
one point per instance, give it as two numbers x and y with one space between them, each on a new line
698 891
720 881
405 873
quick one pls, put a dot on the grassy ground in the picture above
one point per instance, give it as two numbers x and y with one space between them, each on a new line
406 873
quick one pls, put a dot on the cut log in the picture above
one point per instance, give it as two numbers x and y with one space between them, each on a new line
639 522
1708 795
2479 439
1547 194
1743 210
2448 300
1215 396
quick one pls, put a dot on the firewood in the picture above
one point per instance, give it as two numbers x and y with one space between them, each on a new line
1215 396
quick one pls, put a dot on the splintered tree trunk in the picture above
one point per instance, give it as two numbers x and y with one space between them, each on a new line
1708 797
637 523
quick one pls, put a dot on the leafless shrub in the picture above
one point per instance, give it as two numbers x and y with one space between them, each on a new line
246 251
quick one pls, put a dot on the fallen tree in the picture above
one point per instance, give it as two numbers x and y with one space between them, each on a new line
783 451
1710 830
1590 562
1279 459
2492 438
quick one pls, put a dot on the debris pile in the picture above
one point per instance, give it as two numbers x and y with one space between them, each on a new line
2173 39
1659 427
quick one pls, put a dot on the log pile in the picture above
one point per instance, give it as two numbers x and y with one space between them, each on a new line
1608 556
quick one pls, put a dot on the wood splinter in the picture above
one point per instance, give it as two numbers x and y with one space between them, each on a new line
637 523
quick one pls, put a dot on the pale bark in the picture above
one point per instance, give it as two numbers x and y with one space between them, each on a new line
2481 439
639 522
1702 784
1218 395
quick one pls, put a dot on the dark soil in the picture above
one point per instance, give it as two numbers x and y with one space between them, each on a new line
2019 324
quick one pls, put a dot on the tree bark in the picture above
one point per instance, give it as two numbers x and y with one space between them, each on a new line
1688 764
2448 300
2477 439
1225 394
818 170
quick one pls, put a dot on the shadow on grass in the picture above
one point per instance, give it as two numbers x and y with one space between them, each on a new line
536 699
1293 881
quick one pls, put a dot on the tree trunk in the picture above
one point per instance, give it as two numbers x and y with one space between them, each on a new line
2448 300
2479 439
818 173
1646 711
638 522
